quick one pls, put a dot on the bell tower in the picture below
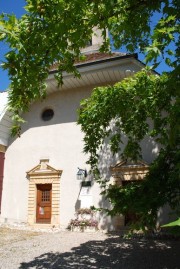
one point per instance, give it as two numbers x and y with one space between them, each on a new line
95 42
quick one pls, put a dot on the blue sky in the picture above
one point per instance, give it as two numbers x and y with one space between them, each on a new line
8 6
16 7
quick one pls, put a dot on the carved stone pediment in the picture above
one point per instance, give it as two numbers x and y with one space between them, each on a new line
43 169
129 170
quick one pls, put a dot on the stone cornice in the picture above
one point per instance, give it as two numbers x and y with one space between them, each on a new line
2 148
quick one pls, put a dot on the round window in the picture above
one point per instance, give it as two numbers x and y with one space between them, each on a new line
47 114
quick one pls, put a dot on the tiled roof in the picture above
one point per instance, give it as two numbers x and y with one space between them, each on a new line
92 57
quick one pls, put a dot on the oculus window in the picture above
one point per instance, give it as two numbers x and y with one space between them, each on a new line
47 114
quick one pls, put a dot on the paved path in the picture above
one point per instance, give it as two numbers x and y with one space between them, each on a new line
72 250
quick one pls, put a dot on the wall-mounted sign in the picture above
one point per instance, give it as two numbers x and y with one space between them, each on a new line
41 210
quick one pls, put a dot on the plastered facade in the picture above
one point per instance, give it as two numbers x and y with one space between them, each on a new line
60 141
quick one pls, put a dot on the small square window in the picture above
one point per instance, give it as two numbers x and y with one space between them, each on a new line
89 42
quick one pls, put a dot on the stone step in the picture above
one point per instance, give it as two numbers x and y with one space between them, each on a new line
43 226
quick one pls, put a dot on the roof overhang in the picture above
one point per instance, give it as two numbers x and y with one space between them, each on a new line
94 73
5 120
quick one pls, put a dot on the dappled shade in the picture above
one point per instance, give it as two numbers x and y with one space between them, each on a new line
114 252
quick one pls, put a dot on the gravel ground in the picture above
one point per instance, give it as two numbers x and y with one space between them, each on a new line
74 250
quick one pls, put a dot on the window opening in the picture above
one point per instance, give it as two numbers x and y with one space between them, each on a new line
47 114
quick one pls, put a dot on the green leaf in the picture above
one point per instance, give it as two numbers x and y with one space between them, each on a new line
172 224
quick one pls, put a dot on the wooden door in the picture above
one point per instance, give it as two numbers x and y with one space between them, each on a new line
44 197
130 217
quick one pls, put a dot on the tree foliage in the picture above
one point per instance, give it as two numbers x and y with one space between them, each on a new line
138 107
55 31
124 108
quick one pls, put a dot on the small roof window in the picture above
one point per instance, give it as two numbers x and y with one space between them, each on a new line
47 114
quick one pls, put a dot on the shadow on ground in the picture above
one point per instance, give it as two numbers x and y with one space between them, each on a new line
113 253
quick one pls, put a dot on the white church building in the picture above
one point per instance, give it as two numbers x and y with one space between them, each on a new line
39 170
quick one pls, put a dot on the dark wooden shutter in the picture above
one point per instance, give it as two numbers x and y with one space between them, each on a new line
1 175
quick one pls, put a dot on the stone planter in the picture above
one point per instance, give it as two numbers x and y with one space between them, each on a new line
85 216
86 229
85 221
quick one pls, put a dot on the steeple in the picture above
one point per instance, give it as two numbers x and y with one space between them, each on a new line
95 42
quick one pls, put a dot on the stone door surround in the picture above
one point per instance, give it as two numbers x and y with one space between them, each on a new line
44 174
127 171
